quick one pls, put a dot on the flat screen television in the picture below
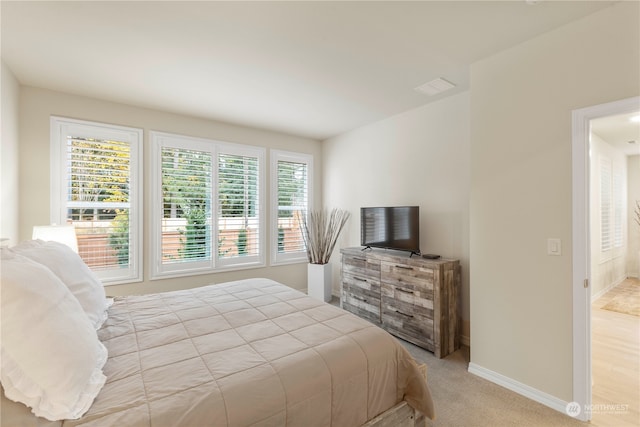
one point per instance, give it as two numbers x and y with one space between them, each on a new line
393 227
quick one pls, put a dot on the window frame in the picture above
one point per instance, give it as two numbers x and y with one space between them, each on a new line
606 204
619 203
62 126
611 178
158 140
252 261
294 157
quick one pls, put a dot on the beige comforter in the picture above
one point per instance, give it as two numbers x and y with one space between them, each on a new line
246 353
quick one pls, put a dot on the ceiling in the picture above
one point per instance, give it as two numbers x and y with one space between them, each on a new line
621 131
313 69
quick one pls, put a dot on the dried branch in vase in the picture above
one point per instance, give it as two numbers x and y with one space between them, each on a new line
320 231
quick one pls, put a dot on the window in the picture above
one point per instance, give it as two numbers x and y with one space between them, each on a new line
612 206
183 204
619 203
239 208
605 204
291 192
207 195
95 185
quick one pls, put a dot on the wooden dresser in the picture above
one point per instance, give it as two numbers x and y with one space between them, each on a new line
413 298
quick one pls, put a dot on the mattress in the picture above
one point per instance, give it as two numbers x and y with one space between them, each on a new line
245 353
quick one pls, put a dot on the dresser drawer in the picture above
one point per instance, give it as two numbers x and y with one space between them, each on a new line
361 266
365 306
361 283
411 301
399 320
410 277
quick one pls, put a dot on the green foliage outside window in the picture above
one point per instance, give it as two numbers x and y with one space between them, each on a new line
238 196
195 234
292 181
280 239
119 236
99 176
186 189
241 243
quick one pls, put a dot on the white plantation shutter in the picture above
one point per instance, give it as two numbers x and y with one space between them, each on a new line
209 197
95 187
292 202
291 174
239 207
98 198
186 206
618 208
605 205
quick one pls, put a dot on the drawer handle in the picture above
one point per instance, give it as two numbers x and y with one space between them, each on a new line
359 279
404 290
359 298
360 259
404 314
404 267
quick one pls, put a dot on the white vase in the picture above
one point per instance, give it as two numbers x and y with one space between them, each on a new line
319 281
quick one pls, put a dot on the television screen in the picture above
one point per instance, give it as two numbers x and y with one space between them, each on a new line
396 227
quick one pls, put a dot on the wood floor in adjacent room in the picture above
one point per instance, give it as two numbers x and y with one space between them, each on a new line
615 352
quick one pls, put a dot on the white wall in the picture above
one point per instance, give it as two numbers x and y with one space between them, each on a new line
609 268
633 195
420 157
9 92
37 105
521 189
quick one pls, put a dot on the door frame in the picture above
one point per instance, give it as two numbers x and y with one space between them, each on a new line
581 129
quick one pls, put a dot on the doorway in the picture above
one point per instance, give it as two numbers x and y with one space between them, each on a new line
582 250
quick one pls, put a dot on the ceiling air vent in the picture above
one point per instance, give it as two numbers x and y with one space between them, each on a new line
435 87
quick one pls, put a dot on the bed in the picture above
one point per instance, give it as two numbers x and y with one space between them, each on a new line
245 353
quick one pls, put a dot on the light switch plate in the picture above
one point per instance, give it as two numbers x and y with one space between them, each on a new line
554 246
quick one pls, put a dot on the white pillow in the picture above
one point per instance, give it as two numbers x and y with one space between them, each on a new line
71 269
51 358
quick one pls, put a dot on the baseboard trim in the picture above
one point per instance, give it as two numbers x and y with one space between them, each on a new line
520 388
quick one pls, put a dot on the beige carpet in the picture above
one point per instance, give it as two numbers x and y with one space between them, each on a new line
462 399
627 299
465 400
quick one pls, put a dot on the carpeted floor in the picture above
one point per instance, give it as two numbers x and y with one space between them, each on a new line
465 400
